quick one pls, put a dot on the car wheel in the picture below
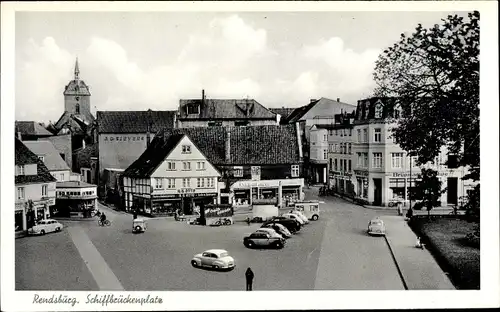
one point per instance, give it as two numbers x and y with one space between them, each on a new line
42 232
315 217
249 244
194 263
58 229
216 267
137 228
279 245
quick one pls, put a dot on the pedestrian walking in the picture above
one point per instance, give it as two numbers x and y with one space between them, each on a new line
249 278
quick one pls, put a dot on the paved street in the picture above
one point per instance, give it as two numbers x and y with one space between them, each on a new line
332 253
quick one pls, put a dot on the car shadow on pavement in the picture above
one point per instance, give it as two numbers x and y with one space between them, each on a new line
205 268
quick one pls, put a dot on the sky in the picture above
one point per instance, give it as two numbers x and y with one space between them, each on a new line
150 60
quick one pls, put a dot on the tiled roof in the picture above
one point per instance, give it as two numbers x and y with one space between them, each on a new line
74 121
134 121
31 128
298 113
283 111
256 145
24 156
73 184
77 87
51 158
225 109
158 150
366 107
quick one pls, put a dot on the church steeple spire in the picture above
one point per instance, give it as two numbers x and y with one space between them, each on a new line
77 70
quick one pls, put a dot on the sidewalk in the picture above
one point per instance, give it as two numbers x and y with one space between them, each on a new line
418 267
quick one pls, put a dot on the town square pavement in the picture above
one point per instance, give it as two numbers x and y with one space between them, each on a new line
333 253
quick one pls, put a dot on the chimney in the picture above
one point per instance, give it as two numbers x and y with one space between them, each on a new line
312 100
338 99
228 146
203 95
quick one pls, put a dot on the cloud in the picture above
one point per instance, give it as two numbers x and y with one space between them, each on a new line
230 58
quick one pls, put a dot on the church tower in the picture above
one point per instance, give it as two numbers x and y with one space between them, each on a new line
77 97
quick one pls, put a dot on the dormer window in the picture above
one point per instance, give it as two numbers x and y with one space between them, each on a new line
192 109
20 170
41 158
378 110
397 111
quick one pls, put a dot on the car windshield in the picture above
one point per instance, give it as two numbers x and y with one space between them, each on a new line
376 222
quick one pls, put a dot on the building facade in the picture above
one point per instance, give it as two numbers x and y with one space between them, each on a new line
48 154
383 172
35 189
171 175
223 112
75 199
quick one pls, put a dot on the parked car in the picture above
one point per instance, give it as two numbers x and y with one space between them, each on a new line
46 226
301 215
263 239
271 231
281 229
292 225
294 217
218 259
376 227
309 208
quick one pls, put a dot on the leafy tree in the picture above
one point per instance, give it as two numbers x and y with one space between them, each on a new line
429 190
434 75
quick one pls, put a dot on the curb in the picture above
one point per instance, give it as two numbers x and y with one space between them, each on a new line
396 263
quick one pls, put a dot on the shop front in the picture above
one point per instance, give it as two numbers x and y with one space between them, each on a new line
75 199
28 212
361 187
276 192
186 201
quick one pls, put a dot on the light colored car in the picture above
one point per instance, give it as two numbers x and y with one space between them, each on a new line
293 217
376 227
43 227
270 231
264 239
279 228
301 215
218 259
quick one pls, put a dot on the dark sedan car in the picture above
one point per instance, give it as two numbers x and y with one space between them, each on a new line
292 225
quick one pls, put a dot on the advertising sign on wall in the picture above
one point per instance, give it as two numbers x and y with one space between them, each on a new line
218 212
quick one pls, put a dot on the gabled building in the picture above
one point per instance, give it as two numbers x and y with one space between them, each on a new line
123 136
172 174
317 112
35 188
255 163
31 130
223 112
47 153
283 112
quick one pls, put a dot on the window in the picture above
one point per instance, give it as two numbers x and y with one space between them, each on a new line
345 164
336 148
365 135
186 165
349 145
365 160
325 154
359 135
241 123
200 165
331 163
336 132
397 160
202 182
413 160
378 110
377 135
198 182
62 156
341 165
295 171
238 172
20 170
397 111
360 159
350 165
325 138
452 161
170 166
377 160
158 184
394 140
186 182
77 108
336 164
171 183
41 158
186 149
350 132
215 123
44 190
20 193
341 148
192 109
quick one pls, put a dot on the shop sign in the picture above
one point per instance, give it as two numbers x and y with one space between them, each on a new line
119 138
186 190
361 173
218 212
255 170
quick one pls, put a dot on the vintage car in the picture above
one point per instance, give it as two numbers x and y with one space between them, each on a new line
45 226
309 208
139 225
376 227
218 259
270 231
264 239
292 225
279 228
301 215
293 217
